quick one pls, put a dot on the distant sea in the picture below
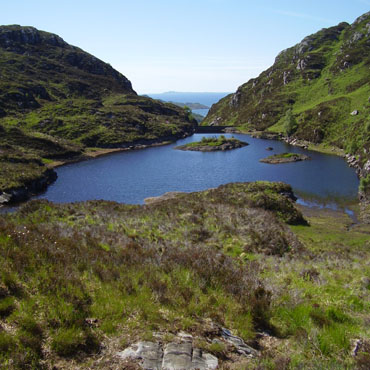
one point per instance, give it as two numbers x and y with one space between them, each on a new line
206 98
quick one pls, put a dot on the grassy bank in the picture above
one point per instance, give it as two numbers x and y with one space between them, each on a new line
213 143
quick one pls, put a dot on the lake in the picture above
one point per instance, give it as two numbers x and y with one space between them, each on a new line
132 176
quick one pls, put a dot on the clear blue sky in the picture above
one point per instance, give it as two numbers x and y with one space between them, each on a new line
192 45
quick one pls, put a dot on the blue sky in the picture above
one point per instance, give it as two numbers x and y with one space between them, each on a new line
193 45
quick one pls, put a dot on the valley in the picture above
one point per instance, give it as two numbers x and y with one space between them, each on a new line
118 258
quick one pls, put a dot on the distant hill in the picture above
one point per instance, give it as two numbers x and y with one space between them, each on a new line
323 83
191 105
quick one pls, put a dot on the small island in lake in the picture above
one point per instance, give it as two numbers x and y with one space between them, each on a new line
211 144
285 158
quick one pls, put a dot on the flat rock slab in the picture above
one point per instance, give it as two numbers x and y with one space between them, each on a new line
172 356
238 343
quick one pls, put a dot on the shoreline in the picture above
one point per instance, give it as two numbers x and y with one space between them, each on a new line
14 197
92 153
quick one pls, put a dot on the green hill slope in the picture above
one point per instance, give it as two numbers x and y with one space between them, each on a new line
56 93
323 81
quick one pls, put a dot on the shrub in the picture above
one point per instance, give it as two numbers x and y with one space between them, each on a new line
67 342
6 306
290 123
365 184
7 343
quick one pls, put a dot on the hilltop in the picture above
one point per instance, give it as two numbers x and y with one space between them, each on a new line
56 100
321 86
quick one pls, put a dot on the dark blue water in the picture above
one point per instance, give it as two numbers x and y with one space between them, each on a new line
131 176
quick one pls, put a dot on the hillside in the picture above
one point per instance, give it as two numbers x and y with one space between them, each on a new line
56 100
82 282
323 82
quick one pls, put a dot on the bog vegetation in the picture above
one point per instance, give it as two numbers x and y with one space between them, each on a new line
80 281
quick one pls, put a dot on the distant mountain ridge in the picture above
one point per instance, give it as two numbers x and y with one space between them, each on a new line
206 98
324 81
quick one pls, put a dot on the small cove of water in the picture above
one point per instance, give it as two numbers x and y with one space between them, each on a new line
130 177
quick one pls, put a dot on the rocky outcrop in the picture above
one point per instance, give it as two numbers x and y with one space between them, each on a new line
33 187
182 354
172 356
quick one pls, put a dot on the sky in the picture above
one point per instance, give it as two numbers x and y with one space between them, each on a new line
192 45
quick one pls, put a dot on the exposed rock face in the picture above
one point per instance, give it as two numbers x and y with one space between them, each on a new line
182 355
172 356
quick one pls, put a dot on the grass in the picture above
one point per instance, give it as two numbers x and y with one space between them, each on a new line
284 158
240 256
322 301
139 269
216 142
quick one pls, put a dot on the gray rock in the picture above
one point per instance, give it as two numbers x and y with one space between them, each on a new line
235 99
360 19
241 347
177 356
356 37
301 65
203 360
285 77
174 356
150 353
367 29
5 198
